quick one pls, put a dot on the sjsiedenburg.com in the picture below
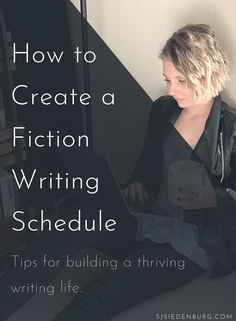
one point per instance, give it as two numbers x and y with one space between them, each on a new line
194 316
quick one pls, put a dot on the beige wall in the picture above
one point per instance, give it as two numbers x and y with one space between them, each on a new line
135 30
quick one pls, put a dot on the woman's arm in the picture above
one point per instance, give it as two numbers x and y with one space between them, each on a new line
135 189
138 174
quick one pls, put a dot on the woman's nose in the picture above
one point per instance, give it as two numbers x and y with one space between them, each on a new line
171 89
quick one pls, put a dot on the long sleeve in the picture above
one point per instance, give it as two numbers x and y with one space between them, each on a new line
139 168
138 174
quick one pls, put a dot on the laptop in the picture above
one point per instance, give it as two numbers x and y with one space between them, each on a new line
85 163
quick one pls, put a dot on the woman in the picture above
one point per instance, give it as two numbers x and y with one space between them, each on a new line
192 117
191 132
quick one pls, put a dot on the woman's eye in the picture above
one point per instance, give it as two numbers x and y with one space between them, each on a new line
166 80
181 81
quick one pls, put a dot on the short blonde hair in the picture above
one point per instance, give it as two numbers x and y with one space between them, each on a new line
199 56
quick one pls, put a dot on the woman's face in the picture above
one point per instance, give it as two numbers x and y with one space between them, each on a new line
177 85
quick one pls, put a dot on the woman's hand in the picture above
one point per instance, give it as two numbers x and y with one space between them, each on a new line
136 192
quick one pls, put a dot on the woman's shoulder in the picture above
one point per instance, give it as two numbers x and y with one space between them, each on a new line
229 111
230 118
163 106
163 102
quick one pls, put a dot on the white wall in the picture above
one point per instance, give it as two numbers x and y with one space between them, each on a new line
129 27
